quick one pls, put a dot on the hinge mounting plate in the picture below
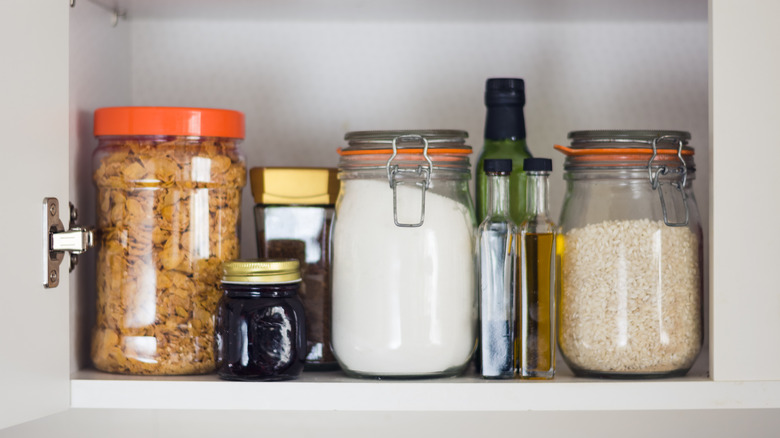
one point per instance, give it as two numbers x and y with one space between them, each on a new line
57 241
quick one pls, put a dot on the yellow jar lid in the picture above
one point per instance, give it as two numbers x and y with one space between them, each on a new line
261 271
294 185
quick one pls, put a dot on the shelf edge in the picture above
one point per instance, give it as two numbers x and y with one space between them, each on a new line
424 395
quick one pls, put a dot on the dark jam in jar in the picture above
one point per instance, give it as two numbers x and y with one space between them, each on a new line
260 325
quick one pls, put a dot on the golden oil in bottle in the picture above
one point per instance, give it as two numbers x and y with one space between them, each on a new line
536 342
536 290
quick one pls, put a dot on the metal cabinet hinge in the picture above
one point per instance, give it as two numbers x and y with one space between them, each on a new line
57 241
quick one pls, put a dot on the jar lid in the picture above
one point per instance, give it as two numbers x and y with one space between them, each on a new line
261 271
440 141
633 140
626 136
294 185
627 148
157 120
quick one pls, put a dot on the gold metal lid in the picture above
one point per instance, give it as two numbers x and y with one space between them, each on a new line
261 271
294 185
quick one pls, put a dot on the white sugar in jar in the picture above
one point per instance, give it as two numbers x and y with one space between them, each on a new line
404 292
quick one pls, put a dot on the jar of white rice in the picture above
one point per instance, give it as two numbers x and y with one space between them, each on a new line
631 254
404 287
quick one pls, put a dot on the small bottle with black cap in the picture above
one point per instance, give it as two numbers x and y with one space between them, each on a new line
538 265
495 245
504 139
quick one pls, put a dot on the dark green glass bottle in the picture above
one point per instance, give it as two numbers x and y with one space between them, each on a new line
504 139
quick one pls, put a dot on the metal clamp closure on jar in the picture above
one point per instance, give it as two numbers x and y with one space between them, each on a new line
678 184
433 142
625 149
424 174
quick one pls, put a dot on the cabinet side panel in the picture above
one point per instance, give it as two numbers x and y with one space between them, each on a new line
99 76
745 42
34 121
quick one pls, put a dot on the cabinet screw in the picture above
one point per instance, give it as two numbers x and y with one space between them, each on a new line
53 276
53 209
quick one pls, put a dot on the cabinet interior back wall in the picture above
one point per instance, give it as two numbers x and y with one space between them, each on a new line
303 84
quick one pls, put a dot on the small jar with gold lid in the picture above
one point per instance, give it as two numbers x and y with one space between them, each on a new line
260 324
293 213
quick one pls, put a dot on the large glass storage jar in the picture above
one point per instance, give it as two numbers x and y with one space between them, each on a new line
169 186
293 214
404 288
631 250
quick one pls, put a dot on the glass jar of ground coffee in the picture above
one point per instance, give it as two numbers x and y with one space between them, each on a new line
260 324
293 213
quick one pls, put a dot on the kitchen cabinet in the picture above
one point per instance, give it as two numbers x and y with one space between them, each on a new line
305 72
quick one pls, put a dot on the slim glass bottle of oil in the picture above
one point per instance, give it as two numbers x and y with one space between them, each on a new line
495 243
535 343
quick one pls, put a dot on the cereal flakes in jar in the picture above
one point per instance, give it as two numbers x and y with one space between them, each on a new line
169 184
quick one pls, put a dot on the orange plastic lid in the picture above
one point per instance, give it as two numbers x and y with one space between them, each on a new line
158 120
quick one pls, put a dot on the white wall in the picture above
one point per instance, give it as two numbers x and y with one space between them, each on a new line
302 85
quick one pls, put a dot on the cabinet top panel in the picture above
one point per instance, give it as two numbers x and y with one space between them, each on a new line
414 10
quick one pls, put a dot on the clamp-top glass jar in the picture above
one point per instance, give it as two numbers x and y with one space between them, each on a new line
404 291
631 250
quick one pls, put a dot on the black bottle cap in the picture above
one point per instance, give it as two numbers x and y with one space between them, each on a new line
505 91
497 166
504 98
537 165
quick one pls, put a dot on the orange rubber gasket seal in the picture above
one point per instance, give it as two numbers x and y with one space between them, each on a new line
618 151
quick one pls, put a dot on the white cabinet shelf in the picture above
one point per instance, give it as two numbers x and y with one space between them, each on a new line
333 391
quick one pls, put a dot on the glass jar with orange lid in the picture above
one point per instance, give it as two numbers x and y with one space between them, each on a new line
404 283
631 255
169 184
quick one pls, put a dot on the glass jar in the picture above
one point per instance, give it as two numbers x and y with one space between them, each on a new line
261 328
169 186
404 288
293 214
631 252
